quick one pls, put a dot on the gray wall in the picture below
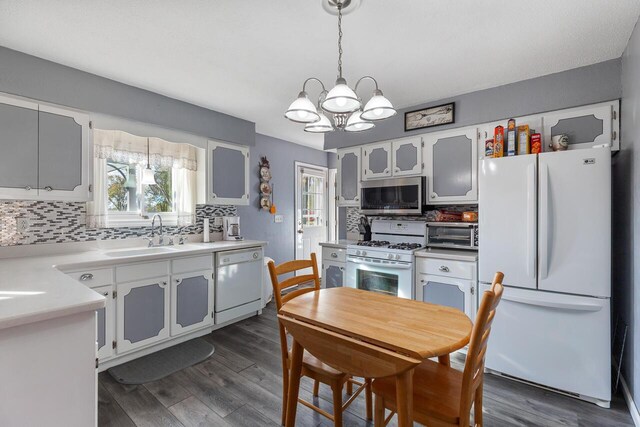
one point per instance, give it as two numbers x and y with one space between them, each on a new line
259 225
626 206
580 86
31 77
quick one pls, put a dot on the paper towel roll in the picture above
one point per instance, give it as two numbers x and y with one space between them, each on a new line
206 231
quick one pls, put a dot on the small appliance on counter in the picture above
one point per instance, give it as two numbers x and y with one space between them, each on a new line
231 228
452 235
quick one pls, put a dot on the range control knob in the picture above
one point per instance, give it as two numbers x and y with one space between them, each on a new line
390 256
358 253
364 253
397 256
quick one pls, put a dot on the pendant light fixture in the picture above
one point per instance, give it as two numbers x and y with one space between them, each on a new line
148 177
341 104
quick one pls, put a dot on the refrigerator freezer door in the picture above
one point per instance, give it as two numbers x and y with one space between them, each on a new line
507 220
574 245
559 341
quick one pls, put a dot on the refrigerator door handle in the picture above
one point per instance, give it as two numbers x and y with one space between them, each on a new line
553 304
531 220
543 235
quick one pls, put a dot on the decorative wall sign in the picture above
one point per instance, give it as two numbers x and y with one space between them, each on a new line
429 117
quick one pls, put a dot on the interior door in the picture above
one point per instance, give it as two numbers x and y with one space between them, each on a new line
507 220
575 222
311 211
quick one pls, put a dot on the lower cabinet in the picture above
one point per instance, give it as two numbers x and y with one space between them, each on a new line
106 323
191 301
333 274
142 313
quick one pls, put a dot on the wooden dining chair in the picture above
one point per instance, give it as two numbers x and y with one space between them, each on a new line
443 396
311 366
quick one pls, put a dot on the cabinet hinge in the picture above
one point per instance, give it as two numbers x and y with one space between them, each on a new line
96 363
615 115
365 171
422 165
115 294
114 344
90 124
90 188
422 143
473 290
615 135
212 314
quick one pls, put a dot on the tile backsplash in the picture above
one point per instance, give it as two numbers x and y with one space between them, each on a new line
62 222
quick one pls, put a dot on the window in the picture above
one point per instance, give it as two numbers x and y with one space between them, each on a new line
312 200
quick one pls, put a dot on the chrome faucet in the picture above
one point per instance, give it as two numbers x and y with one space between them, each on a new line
153 231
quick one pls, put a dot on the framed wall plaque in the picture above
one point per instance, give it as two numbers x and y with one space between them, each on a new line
429 117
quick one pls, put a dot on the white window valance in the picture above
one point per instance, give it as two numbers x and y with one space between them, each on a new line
127 148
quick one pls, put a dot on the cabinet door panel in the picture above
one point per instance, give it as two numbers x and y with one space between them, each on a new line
376 160
349 177
191 301
450 292
228 174
18 148
333 274
407 157
585 126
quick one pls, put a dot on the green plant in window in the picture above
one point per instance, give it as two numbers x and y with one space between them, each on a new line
158 198
117 193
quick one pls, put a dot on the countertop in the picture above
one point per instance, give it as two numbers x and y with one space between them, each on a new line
452 254
342 243
34 288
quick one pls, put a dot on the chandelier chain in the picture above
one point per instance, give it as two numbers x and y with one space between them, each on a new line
339 38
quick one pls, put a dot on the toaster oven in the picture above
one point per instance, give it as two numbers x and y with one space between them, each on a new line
453 235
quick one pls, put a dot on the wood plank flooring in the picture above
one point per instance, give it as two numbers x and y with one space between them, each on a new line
240 385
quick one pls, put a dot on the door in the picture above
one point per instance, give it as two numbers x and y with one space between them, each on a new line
451 164
106 323
18 148
560 341
376 160
349 162
142 313
407 157
228 174
191 301
507 220
63 155
574 241
311 211
333 274
448 291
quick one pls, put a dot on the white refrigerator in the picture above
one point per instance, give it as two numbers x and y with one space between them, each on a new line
545 222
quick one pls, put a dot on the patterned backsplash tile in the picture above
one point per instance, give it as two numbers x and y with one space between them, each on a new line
62 222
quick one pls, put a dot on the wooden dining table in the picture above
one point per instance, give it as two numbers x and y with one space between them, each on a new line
413 329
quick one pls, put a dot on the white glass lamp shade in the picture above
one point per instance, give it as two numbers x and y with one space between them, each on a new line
357 124
321 126
378 108
302 110
341 99
148 177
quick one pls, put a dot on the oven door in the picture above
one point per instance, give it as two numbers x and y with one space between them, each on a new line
400 196
386 277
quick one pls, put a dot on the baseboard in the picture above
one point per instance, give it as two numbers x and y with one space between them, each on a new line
633 409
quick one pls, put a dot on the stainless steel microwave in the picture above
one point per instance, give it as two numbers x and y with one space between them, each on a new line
397 196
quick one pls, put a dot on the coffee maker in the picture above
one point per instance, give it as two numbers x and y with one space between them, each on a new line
231 228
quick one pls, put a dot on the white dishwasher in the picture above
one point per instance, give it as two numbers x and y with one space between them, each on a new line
238 283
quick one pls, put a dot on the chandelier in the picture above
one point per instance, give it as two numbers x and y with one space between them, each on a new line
340 103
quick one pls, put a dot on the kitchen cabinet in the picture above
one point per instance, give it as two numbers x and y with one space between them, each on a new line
334 267
142 313
349 163
191 301
376 160
407 157
451 165
106 323
45 152
227 173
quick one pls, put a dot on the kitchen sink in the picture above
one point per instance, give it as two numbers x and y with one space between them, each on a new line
138 252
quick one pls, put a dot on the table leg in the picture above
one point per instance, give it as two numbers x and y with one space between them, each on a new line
444 360
404 398
294 382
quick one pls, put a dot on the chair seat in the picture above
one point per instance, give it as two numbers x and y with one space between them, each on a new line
436 392
312 364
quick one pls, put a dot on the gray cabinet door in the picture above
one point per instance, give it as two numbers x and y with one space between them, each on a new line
452 166
349 177
450 292
585 127
191 301
18 148
333 274
228 172
407 157
143 313
376 160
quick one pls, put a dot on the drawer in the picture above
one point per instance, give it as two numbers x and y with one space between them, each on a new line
130 273
334 254
184 265
447 268
94 278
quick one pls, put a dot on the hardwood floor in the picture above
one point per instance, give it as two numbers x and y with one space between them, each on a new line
240 385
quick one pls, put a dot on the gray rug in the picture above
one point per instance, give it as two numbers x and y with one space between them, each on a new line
162 363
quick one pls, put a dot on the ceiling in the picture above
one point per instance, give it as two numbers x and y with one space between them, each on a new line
249 58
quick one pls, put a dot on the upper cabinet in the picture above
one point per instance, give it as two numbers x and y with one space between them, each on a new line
451 164
45 152
406 157
349 162
228 174
376 160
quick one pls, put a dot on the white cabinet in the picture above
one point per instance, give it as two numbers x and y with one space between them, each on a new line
191 301
45 152
406 157
451 164
142 313
227 174
334 267
376 160
349 162
106 323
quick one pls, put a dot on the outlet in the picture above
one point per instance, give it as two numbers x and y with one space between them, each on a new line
217 221
278 219
22 225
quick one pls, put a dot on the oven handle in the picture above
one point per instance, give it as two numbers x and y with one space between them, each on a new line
397 266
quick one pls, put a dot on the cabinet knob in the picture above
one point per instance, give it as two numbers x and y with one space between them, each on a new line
255 255
177 280
341 268
334 255
106 294
444 268
86 276
28 188
433 195
163 284
48 188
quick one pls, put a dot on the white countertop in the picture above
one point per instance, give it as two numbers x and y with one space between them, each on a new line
342 243
32 288
452 254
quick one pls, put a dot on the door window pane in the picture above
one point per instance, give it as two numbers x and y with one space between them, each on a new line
313 196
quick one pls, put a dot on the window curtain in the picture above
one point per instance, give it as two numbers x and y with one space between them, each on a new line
97 209
184 195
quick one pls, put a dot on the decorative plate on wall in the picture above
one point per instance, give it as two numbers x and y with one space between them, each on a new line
265 173
265 188
265 203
